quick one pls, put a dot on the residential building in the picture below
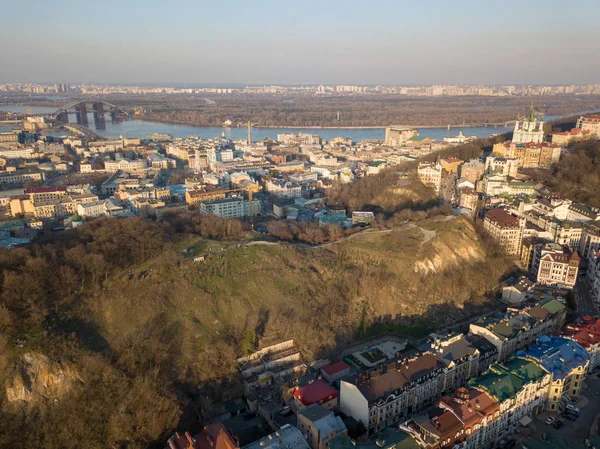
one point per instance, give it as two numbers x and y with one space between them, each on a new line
320 426
556 265
488 352
590 239
213 436
515 291
284 190
566 361
589 123
231 208
21 176
506 229
479 413
430 174
299 139
501 166
438 428
451 164
468 198
520 388
317 392
563 138
382 397
472 170
335 371
516 329
290 167
286 437
195 196
582 212
586 332
125 165
460 359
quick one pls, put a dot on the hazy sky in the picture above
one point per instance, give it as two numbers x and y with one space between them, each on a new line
304 41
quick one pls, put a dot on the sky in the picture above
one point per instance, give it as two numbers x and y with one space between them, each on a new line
304 41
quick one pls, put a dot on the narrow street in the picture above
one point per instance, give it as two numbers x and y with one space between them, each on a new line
583 298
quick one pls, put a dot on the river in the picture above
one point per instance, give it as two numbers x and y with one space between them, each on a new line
142 128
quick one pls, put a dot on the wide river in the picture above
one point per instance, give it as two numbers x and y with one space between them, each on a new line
142 128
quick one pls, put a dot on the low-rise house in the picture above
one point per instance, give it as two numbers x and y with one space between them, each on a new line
320 426
335 371
515 291
317 392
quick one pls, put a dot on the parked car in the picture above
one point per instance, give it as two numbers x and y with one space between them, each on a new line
558 424
572 408
570 417
550 420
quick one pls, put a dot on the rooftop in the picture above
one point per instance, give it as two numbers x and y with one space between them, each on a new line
557 355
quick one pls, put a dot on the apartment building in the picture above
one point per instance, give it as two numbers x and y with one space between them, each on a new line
472 170
231 208
516 329
21 176
459 357
506 229
382 397
468 418
501 166
284 190
556 265
430 174
566 361
590 239
582 212
520 388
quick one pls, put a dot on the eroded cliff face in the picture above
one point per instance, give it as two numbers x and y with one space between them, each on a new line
445 252
38 380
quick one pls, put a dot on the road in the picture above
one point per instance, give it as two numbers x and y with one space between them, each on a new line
585 303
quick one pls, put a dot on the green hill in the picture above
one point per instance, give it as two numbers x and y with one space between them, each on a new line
113 336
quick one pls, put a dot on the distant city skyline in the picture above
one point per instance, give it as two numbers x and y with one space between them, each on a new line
388 42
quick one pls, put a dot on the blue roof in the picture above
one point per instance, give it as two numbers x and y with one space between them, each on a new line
557 355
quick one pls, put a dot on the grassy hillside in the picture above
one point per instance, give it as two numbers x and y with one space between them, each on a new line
114 337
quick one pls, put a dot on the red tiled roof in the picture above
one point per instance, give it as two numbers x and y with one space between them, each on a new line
318 392
334 368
